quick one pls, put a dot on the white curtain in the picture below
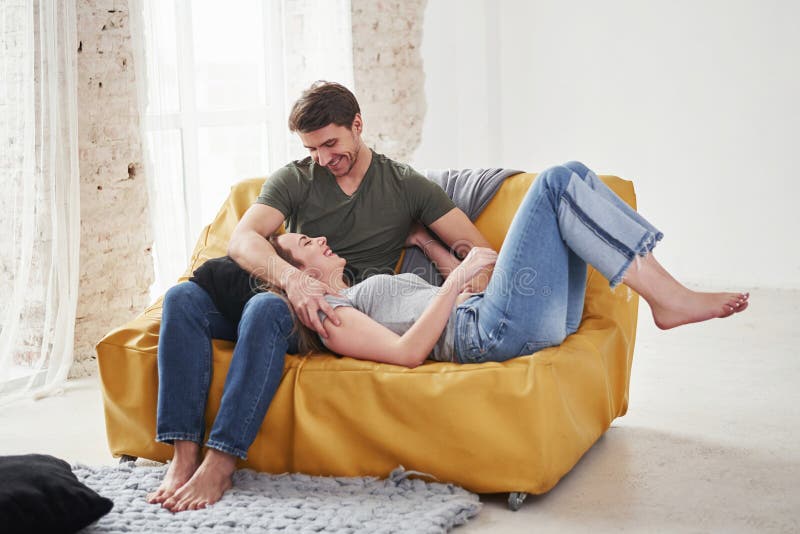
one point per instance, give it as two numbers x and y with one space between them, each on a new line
215 83
39 196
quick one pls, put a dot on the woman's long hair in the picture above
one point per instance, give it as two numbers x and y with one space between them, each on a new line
308 340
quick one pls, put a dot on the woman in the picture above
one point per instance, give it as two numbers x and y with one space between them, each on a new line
534 299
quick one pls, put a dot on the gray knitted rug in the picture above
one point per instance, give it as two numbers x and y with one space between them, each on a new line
261 502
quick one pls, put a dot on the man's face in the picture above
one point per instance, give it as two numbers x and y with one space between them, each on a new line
334 147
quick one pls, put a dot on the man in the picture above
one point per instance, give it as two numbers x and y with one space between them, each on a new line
363 202
366 205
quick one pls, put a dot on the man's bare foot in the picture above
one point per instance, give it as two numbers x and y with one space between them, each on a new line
694 307
209 482
184 463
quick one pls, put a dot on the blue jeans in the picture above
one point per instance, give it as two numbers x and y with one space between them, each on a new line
534 300
189 321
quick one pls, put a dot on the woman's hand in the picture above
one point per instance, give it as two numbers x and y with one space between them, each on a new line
476 261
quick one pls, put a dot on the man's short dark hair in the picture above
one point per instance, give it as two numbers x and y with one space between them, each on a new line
322 104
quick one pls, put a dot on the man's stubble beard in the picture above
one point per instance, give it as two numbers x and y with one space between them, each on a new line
354 159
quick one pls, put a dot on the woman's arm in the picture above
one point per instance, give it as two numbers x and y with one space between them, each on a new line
359 336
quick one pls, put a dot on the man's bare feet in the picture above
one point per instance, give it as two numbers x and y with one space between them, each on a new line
184 463
694 307
209 482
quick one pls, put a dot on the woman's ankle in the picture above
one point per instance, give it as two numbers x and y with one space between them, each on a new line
654 283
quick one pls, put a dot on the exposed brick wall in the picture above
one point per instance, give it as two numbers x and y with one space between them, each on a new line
116 263
115 259
388 73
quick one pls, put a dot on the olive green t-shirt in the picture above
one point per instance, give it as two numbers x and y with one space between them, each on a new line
367 228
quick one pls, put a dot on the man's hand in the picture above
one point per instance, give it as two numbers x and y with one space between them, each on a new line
417 236
307 296
478 260
458 232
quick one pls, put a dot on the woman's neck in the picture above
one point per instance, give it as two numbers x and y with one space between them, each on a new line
337 280
340 284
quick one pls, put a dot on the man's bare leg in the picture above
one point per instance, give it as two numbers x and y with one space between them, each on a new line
185 461
672 303
209 482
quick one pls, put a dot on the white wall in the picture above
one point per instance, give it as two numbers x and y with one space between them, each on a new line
697 102
456 46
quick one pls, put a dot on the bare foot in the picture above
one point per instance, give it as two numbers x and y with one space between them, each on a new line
209 482
694 307
183 465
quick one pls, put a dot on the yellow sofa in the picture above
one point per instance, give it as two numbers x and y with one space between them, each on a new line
517 426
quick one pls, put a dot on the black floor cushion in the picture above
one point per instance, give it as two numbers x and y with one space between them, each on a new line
40 493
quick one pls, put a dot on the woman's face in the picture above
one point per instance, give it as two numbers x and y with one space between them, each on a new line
312 254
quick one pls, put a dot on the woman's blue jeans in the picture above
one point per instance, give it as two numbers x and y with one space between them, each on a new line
534 300
189 321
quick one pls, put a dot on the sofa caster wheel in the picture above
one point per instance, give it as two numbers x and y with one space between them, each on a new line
515 500
125 459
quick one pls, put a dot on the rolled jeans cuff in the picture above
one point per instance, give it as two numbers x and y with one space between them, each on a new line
645 246
222 447
170 437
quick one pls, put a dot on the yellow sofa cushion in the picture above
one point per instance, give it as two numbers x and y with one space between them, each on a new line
493 427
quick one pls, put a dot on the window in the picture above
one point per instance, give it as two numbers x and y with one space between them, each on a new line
217 82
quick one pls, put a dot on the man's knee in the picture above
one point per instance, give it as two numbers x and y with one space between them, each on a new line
181 294
183 302
268 309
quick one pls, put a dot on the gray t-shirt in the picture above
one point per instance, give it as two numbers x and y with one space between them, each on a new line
396 302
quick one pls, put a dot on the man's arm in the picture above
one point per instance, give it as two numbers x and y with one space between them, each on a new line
458 232
249 248
442 258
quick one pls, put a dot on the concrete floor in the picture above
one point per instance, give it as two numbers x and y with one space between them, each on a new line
711 441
